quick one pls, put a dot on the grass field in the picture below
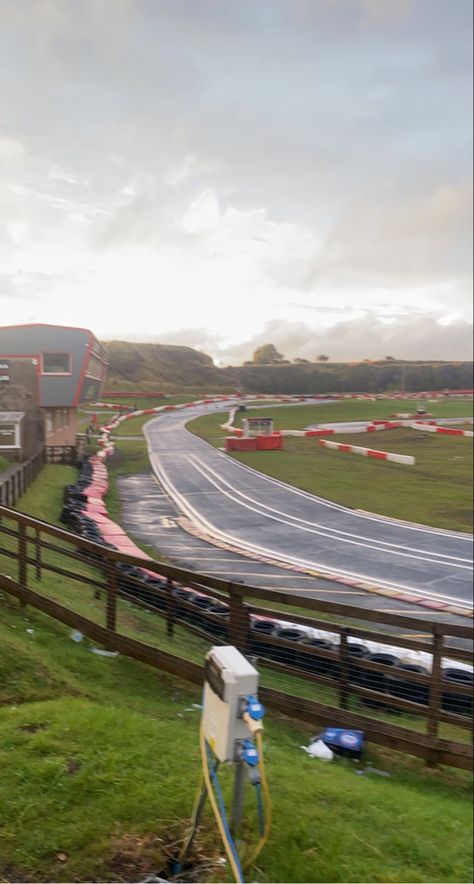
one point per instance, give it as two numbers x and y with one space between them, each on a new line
297 417
99 765
436 491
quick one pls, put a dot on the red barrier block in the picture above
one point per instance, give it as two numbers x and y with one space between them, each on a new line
234 444
269 443
381 455
344 447
445 431
319 432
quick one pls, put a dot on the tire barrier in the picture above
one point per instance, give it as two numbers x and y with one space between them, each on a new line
368 452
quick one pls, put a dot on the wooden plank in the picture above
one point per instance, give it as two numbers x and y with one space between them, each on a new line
111 605
435 688
343 672
169 609
239 624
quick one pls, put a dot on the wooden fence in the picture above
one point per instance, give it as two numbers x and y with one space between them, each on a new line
310 682
16 479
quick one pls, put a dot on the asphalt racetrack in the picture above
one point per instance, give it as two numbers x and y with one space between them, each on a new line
260 514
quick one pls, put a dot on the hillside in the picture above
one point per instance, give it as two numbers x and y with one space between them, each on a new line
170 368
162 366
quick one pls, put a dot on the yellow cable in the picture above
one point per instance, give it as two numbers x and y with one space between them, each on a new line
268 801
210 792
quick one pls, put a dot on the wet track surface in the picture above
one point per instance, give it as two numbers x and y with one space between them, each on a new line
256 511
151 518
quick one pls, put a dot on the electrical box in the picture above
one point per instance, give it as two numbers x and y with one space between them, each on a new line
228 679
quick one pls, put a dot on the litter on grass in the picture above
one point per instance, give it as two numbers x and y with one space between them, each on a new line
76 636
102 653
318 749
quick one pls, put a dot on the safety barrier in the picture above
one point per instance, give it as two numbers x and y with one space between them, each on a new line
369 452
366 663
444 431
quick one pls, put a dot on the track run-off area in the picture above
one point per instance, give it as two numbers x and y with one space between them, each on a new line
261 516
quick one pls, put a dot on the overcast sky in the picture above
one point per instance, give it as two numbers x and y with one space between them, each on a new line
225 173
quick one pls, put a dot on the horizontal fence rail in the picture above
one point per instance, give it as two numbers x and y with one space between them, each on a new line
406 682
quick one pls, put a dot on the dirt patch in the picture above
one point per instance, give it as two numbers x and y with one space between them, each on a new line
33 728
137 857
133 857
10 874
73 766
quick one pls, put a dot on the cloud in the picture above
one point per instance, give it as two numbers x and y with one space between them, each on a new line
215 165
365 338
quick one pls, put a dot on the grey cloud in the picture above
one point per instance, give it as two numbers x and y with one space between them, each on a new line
366 338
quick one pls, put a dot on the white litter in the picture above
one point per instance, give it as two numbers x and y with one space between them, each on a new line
103 653
30 631
77 636
318 749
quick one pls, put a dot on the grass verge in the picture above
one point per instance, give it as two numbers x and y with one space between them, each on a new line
99 763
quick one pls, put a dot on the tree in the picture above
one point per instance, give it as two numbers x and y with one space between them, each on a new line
267 354
323 358
300 361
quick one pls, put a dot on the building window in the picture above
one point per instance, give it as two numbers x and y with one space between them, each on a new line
56 363
10 429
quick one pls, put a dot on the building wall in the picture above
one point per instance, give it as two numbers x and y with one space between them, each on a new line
81 377
18 393
60 426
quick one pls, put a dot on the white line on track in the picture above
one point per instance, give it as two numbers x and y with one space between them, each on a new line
198 519
326 531
371 517
304 525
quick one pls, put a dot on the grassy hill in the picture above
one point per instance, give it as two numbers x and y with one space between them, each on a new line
171 368
162 367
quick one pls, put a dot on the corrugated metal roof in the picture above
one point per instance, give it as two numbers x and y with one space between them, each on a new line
11 417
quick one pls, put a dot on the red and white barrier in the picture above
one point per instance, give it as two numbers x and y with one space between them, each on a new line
369 452
445 431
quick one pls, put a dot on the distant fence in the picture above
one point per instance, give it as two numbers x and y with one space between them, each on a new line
17 479
166 617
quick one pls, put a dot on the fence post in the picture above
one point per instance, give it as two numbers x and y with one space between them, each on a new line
111 602
22 563
435 685
343 671
169 608
38 554
238 621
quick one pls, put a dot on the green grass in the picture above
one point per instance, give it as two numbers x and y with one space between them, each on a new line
297 417
4 463
133 426
99 764
436 491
